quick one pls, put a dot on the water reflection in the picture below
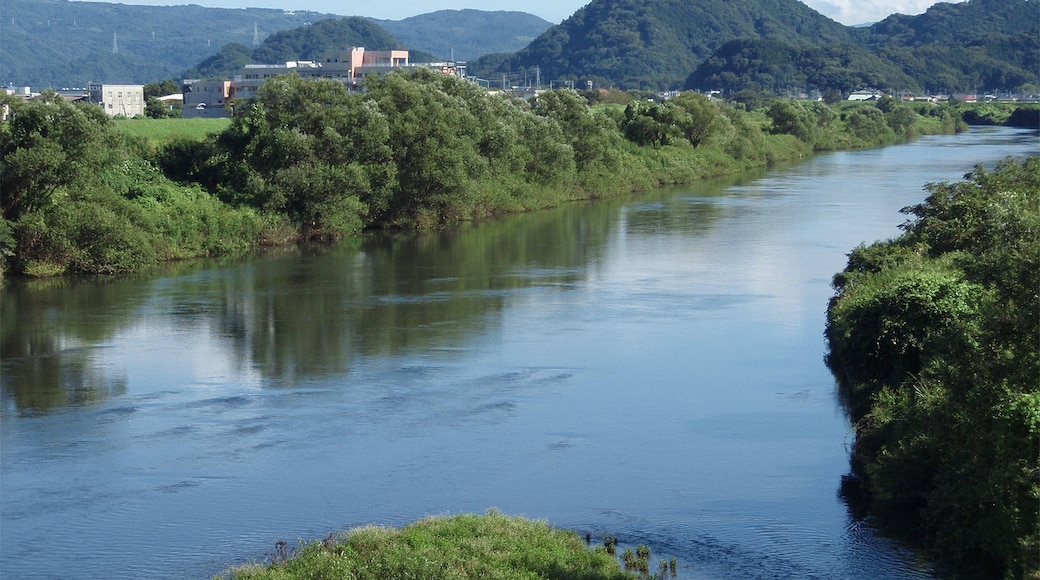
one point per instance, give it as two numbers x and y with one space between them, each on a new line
52 360
308 313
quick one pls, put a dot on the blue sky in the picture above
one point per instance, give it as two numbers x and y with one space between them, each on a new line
849 12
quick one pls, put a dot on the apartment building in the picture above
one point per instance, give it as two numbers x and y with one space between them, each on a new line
118 100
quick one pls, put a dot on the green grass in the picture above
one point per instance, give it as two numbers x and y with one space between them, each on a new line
161 131
493 546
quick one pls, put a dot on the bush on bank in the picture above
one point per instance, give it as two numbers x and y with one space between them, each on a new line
935 341
492 546
311 160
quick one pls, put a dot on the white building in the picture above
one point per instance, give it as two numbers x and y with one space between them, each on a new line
118 100
865 95
205 98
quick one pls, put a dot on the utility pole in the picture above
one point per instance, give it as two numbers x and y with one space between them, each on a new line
115 43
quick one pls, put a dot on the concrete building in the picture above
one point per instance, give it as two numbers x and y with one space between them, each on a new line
252 76
348 67
118 100
205 98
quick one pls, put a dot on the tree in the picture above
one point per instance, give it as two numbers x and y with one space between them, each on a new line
161 89
307 149
45 145
791 118
156 109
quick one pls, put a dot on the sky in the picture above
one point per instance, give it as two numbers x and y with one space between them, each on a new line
849 12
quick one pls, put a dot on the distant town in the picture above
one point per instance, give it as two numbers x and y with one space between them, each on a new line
214 98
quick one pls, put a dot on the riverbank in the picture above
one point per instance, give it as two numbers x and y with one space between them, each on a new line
933 341
310 161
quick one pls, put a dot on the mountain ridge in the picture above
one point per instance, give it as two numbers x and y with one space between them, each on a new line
61 43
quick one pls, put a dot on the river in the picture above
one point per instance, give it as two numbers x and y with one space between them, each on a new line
649 368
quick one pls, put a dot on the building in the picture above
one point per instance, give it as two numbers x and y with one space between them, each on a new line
865 95
118 100
205 98
348 67
252 76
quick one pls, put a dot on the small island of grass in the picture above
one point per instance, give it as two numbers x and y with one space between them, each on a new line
490 546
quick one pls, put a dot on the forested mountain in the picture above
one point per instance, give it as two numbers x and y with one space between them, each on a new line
730 45
775 45
984 44
658 43
466 35
58 43
304 43
776 67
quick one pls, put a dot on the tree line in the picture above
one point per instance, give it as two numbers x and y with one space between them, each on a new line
311 160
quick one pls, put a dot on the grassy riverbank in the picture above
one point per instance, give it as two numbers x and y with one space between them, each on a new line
492 546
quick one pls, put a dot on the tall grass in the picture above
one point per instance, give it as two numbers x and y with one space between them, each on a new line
157 132
493 546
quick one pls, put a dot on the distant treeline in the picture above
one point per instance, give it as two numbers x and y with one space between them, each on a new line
935 342
417 150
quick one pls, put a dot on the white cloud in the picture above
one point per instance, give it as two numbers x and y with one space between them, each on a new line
853 12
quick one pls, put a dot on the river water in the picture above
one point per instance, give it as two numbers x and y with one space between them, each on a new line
648 368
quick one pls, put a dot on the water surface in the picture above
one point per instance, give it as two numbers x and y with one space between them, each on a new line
648 368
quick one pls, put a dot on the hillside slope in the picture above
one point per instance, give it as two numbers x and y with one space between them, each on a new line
658 43
58 43
55 43
465 35
309 42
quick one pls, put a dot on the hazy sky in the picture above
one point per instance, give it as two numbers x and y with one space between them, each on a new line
849 12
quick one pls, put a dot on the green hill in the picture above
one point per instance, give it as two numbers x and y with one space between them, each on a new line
776 45
776 67
58 43
305 43
983 44
465 35
658 43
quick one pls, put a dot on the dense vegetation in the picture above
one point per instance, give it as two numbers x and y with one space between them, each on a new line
460 547
79 196
417 149
934 342
980 44
777 67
